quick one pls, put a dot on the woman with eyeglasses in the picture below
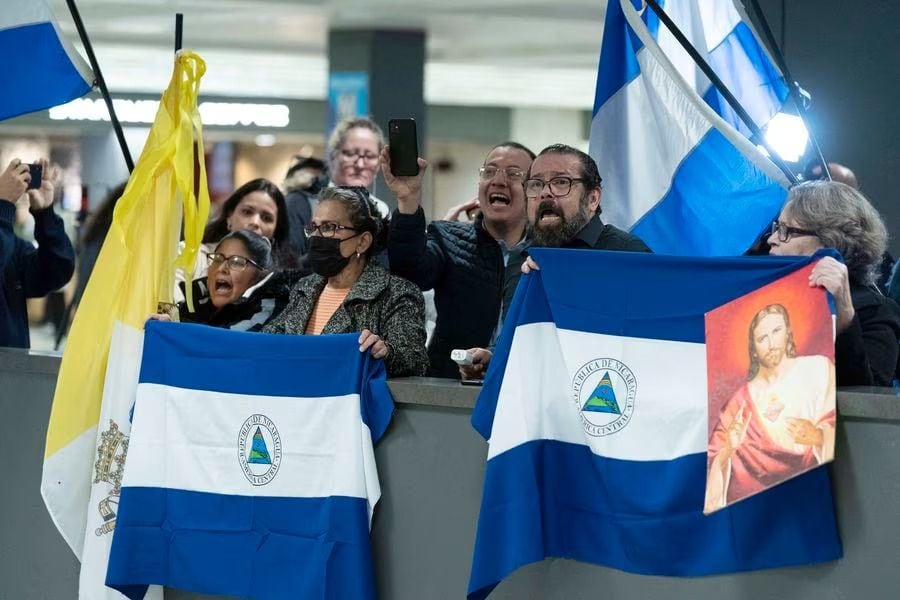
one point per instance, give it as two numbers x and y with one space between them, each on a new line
354 150
241 290
350 292
826 214
257 206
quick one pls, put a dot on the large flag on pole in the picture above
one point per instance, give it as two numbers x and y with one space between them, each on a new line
677 171
596 414
87 437
41 69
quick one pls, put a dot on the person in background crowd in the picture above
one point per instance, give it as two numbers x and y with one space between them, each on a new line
302 184
354 148
241 291
258 206
26 271
839 173
95 230
350 292
473 267
471 209
824 214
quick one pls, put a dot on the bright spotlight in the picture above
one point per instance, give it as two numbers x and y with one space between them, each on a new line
787 135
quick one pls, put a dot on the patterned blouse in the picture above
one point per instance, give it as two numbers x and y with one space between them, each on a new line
388 306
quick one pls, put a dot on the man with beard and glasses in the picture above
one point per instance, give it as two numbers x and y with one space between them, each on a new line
563 199
779 423
473 267
563 194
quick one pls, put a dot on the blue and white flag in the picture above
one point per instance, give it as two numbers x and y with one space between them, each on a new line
41 69
624 488
250 466
676 172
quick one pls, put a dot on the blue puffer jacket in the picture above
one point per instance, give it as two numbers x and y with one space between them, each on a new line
29 272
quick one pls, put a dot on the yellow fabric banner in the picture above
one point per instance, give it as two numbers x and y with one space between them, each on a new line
134 271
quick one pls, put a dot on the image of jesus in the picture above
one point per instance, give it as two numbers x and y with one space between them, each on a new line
778 424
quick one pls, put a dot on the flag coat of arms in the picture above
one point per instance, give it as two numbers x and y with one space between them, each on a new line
678 169
595 409
43 70
251 469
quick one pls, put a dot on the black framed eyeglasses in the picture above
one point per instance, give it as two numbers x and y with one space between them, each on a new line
559 186
513 174
786 232
235 262
326 229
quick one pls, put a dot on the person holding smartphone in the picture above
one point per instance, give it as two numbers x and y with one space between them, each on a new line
473 267
26 271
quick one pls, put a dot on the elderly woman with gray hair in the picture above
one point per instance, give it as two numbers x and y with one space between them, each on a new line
826 214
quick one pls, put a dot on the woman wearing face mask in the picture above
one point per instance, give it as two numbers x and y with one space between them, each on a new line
827 214
257 206
241 291
350 292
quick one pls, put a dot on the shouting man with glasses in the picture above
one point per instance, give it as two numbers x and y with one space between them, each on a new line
473 267
563 192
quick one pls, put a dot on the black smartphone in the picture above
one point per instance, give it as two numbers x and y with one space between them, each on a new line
472 381
404 148
37 175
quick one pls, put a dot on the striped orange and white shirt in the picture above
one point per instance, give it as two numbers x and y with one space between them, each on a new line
327 303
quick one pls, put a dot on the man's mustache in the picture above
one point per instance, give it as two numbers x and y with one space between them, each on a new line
548 206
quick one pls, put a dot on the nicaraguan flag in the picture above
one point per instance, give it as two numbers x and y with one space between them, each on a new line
250 466
619 479
676 172
41 69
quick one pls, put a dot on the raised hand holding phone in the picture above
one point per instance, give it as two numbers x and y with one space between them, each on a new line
403 147
406 188
42 197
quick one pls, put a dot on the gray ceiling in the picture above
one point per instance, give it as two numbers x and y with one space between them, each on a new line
508 53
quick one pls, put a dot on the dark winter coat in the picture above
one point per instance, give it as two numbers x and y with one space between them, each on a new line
866 352
29 272
463 263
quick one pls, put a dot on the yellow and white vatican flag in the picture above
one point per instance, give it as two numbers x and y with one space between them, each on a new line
87 437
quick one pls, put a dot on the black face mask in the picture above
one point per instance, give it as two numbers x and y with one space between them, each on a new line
325 256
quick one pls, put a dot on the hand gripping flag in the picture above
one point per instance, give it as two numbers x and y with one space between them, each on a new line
87 437
595 408
251 469
41 69
676 172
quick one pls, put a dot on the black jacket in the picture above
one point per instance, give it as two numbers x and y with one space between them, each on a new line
599 236
866 352
463 263
299 212
29 272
